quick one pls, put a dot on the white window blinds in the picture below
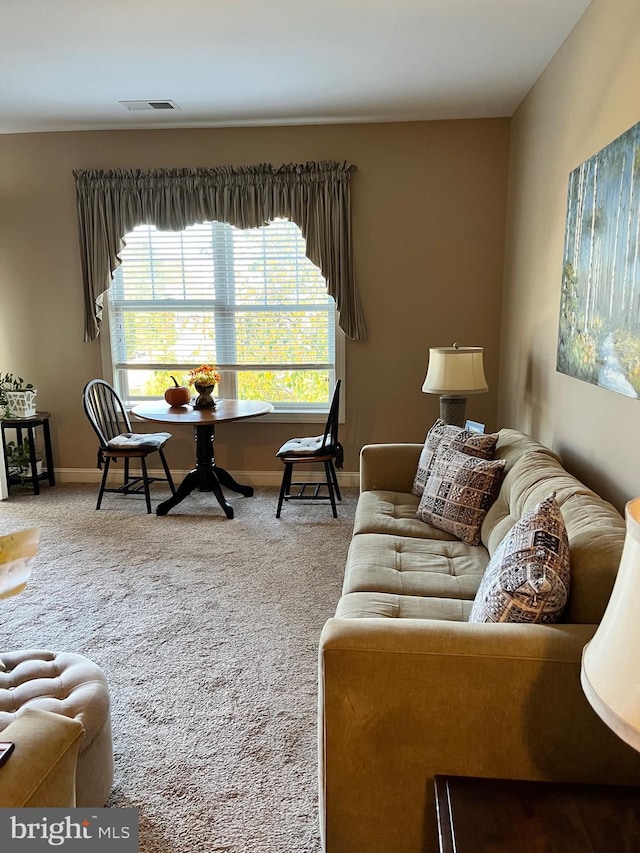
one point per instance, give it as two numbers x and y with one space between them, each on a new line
249 301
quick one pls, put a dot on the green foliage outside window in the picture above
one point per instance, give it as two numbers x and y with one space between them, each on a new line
218 295
292 386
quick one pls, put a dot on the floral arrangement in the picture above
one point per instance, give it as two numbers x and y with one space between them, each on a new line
204 375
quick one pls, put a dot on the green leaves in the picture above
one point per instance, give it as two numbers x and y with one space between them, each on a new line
9 382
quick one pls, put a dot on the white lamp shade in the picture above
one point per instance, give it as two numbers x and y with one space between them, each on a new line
17 551
455 370
611 661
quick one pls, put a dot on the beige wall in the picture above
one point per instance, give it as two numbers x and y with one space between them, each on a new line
428 223
587 96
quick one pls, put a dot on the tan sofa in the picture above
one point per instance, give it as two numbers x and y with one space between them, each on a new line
409 688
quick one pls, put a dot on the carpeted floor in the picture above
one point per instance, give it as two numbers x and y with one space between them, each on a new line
207 631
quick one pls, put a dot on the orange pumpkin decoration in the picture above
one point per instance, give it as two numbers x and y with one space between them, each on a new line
178 395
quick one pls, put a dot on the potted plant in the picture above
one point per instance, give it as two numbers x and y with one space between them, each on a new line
19 460
17 397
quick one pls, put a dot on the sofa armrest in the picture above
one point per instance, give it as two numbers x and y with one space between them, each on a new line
403 700
389 467
41 772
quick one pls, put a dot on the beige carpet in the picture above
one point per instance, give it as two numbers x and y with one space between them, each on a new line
207 631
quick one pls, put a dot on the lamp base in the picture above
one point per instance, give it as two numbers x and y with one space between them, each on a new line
452 409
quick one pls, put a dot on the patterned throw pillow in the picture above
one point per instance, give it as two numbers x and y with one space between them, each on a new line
459 491
527 579
443 435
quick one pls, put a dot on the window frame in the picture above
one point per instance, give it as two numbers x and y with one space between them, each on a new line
283 414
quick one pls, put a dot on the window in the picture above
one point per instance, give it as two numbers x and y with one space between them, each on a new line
249 301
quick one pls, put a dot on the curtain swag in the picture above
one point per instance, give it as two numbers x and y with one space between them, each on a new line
316 196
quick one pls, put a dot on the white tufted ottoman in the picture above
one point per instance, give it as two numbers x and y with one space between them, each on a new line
71 685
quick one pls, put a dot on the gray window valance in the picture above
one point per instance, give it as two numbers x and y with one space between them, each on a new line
316 196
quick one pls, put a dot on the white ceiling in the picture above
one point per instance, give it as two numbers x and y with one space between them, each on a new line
65 64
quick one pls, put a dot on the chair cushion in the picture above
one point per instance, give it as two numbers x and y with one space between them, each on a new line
442 436
527 579
139 441
305 446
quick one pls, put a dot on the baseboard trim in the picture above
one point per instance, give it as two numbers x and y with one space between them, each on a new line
250 478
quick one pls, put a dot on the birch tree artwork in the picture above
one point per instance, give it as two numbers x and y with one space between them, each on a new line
599 329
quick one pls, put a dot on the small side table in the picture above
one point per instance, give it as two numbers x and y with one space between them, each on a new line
481 815
40 419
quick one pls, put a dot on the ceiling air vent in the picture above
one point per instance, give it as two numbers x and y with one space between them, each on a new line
149 105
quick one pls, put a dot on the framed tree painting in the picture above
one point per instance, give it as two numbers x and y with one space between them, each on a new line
599 329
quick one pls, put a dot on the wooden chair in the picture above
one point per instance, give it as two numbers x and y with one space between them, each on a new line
110 420
323 448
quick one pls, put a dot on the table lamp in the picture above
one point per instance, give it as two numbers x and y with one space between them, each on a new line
610 672
455 372
17 551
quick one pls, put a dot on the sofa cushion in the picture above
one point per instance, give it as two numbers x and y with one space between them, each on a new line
398 564
379 511
595 528
532 472
442 436
527 579
366 605
458 492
